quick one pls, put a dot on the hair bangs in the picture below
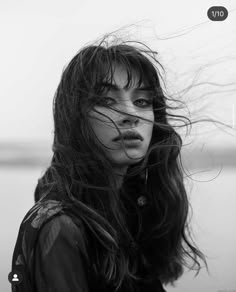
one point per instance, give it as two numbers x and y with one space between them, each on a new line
135 64
139 70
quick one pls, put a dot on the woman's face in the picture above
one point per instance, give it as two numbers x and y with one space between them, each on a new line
135 101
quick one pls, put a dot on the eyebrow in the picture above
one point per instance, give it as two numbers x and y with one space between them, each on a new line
114 87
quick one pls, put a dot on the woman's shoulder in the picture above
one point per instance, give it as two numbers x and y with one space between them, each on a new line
45 210
41 212
47 221
51 217
62 228
50 228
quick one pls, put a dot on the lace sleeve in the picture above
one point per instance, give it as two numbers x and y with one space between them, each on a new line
59 259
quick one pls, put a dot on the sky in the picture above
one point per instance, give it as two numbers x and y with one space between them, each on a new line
38 38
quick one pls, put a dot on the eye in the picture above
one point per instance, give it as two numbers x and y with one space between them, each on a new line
105 101
108 100
143 102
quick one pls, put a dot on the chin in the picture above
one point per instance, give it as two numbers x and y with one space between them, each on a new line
134 158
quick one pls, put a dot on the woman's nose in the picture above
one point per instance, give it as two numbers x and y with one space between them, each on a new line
128 116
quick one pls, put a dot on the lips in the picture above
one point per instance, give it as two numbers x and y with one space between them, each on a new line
129 135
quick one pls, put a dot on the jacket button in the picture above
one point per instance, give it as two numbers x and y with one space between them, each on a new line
142 200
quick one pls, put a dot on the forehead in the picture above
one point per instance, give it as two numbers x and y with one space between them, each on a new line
119 76
120 79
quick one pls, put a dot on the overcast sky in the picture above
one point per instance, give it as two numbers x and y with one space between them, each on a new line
38 38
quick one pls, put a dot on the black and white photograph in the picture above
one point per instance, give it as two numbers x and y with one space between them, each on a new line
118 146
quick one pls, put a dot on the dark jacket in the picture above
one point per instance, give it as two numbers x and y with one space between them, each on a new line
51 252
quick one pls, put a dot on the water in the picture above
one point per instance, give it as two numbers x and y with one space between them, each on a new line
213 223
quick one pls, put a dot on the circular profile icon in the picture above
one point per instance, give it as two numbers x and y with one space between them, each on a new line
15 277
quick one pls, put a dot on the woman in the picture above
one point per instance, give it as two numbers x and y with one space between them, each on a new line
111 210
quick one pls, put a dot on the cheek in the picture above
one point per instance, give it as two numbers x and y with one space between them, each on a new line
150 120
149 125
152 117
101 126
103 117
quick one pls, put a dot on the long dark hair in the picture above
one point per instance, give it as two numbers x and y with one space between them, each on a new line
80 170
